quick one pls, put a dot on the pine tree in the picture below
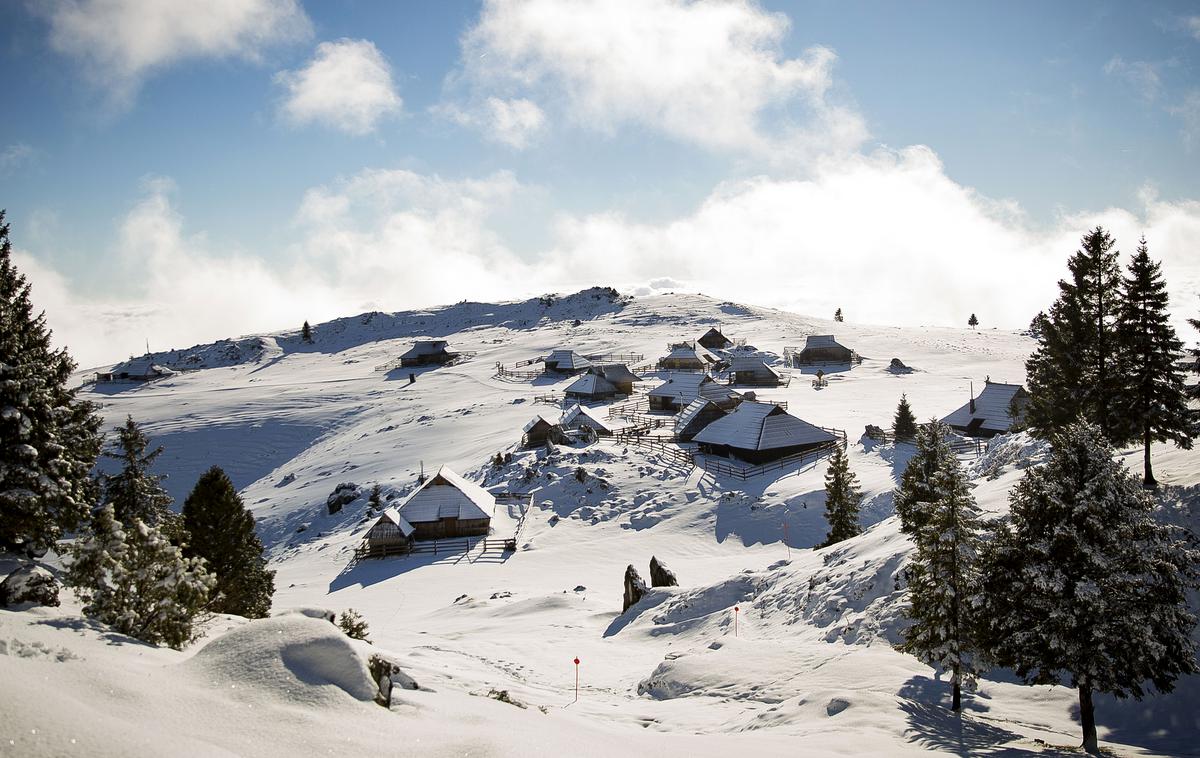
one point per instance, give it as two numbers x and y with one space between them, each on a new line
221 531
904 425
837 316
1194 390
1081 585
375 501
943 577
49 439
136 581
1155 395
842 499
919 482
306 333
1075 371
354 625
973 321
133 492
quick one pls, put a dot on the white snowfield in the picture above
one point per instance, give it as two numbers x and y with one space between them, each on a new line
811 670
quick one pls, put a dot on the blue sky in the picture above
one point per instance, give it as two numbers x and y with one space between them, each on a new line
340 155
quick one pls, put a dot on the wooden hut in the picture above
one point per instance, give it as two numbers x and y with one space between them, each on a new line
823 348
681 389
391 533
602 382
700 413
995 411
566 361
445 506
688 356
427 353
714 340
540 430
577 417
754 372
135 370
761 432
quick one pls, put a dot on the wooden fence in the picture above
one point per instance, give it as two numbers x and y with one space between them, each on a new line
517 376
963 447
626 358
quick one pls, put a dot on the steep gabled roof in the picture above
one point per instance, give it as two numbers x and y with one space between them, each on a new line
822 340
688 351
753 364
591 385
539 419
144 366
614 372
447 495
578 414
991 408
691 386
761 426
565 358
426 347
714 333
393 515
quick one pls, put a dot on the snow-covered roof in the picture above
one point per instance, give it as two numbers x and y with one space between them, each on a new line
539 419
688 351
615 372
692 386
447 495
991 409
753 364
580 414
715 332
144 366
694 409
393 515
591 384
426 347
565 358
761 426
822 340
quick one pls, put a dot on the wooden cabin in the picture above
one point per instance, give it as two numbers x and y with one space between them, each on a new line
540 430
700 413
823 348
714 340
754 372
996 411
565 361
602 382
445 506
427 353
688 356
760 432
135 370
391 533
681 389
578 417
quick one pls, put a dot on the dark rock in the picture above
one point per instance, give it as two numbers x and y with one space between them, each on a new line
342 495
635 588
660 575
387 674
30 584
897 367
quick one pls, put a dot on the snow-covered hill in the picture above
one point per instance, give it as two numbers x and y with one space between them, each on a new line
811 664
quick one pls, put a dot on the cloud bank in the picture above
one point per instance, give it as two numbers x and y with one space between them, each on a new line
347 86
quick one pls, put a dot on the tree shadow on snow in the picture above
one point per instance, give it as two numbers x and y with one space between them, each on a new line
932 725
368 571
83 624
1166 723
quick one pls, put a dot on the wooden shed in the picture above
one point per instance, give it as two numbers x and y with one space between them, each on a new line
995 411
823 348
681 389
566 361
688 356
714 340
446 505
391 533
752 371
700 413
577 417
602 382
427 353
761 432
539 430
135 370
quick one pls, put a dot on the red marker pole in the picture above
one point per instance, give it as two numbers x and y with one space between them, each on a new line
576 680
735 617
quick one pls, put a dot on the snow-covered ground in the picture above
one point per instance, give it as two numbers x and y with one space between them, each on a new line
810 669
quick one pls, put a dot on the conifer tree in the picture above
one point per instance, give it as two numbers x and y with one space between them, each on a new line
943 577
1155 396
1194 390
354 625
221 531
1075 371
837 316
49 439
973 321
904 425
842 499
920 481
375 501
133 492
136 581
306 333
1082 586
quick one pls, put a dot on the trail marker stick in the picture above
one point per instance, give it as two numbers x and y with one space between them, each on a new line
576 680
735 618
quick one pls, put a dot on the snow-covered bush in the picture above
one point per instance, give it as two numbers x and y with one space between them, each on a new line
29 584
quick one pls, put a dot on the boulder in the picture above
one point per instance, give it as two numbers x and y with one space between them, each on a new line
342 495
897 367
29 584
660 575
387 675
635 588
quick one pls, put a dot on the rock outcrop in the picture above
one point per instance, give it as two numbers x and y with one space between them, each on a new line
660 575
635 588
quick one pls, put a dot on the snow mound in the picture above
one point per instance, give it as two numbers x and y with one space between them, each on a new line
1017 449
296 658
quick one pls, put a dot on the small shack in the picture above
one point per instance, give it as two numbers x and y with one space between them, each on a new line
688 356
714 340
577 417
681 389
445 506
700 413
997 409
823 348
761 432
541 430
752 371
135 370
602 382
427 353
565 361
391 533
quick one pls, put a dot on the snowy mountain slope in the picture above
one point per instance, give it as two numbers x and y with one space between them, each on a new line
811 658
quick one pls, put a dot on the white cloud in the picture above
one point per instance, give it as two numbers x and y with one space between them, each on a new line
121 42
1142 76
710 72
515 122
347 85
1192 24
15 155
1188 112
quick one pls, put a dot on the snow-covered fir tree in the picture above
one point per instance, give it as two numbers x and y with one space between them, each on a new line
221 531
904 424
1155 398
842 499
136 581
973 321
919 482
306 333
1075 371
943 577
134 492
49 439
838 317
1082 585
